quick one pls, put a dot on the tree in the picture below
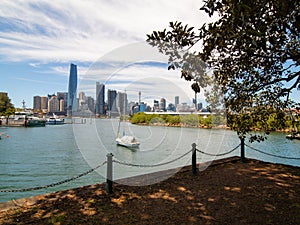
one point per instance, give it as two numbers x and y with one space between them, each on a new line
6 107
254 50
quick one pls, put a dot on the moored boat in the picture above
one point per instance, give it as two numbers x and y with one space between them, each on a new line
54 120
26 119
127 141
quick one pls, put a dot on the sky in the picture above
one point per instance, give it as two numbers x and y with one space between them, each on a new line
40 39
105 39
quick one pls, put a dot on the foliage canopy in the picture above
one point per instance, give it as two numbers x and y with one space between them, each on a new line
6 107
253 49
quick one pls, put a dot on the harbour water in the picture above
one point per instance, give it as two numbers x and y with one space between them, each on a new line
34 157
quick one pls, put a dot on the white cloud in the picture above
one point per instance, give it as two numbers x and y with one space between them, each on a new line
50 34
84 30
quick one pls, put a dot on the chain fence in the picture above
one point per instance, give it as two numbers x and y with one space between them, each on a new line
220 154
144 165
57 183
266 153
154 165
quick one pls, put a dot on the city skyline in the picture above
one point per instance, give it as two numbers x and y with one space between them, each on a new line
40 40
114 102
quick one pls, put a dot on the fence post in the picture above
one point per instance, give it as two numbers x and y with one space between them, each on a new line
242 149
109 173
194 169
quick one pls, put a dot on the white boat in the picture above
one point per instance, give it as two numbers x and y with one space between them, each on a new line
54 120
128 141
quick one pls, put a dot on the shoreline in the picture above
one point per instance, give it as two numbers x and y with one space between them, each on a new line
204 127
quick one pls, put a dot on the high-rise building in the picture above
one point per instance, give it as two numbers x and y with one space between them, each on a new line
37 103
53 104
162 104
176 100
44 103
111 100
63 96
91 103
100 103
61 105
122 103
143 107
72 89
155 106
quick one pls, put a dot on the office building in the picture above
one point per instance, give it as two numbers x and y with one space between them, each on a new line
176 101
162 104
37 103
91 103
122 103
61 105
71 105
53 104
63 96
100 98
111 100
44 103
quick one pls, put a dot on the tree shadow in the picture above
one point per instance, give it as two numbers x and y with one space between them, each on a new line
228 193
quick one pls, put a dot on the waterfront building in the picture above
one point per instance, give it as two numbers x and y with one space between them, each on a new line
71 104
130 107
122 103
44 103
82 101
111 100
63 96
171 108
155 106
61 105
91 103
162 104
53 104
143 107
100 98
183 107
176 101
37 103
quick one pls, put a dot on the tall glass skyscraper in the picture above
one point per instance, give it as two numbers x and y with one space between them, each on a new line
111 100
100 90
72 89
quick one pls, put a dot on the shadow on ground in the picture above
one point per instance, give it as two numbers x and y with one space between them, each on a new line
228 193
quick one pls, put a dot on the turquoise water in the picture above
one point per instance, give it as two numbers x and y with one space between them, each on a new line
33 157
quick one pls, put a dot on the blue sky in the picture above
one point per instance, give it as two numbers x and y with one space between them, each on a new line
39 40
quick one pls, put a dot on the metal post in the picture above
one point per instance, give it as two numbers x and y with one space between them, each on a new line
109 173
242 149
194 169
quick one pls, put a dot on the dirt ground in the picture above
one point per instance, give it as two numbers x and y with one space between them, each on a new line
231 192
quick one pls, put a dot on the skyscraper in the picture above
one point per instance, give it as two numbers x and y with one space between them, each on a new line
162 104
100 91
111 100
63 96
36 102
176 100
44 103
122 103
53 104
72 89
